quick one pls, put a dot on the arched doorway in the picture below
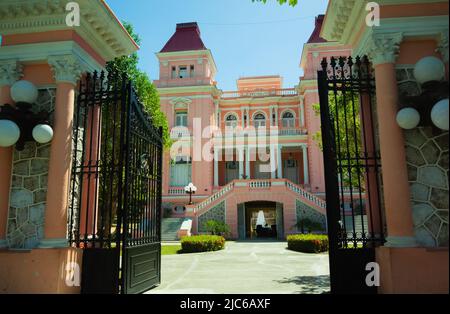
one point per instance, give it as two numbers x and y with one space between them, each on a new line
260 220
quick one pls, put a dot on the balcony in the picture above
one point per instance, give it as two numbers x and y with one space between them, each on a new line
287 92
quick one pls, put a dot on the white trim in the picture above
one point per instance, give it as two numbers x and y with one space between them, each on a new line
42 51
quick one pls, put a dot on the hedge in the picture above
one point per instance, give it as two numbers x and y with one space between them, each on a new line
308 243
202 243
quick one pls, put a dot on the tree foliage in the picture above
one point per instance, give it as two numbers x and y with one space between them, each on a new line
345 112
145 89
292 3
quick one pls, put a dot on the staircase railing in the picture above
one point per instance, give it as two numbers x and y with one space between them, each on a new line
215 196
311 197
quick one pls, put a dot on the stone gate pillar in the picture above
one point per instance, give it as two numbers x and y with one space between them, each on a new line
10 72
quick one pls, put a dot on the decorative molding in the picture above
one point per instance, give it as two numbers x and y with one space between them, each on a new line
66 68
10 72
384 48
394 241
53 243
183 101
98 26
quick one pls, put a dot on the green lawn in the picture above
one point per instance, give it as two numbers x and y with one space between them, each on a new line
170 249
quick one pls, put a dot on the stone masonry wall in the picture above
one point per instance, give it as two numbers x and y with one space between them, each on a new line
216 213
29 187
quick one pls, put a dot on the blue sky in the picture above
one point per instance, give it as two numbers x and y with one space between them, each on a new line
246 38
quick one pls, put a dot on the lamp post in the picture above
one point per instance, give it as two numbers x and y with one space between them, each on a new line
431 107
190 189
18 124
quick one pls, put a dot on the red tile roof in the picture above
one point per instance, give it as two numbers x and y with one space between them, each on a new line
315 36
186 37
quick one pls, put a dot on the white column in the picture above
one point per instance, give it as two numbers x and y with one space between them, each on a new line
279 162
302 111
247 163
305 164
241 162
272 161
216 167
276 115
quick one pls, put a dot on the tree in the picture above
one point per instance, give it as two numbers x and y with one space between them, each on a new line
145 89
347 124
292 3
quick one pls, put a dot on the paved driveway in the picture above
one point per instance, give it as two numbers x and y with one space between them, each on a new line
245 268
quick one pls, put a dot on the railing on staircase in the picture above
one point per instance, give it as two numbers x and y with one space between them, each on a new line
311 197
215 196
261 184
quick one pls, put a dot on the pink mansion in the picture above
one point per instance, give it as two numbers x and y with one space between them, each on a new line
237 183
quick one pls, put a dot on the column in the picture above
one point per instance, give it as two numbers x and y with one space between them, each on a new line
302 111
10 72
279 162
216 167
67 71
247 163
242 117
241 162
305 165
273 162
384 51
275 108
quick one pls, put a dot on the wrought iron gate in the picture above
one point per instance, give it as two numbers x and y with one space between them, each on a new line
352 170
115 200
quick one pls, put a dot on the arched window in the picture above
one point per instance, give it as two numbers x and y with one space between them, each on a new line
288 120
231 121
259 120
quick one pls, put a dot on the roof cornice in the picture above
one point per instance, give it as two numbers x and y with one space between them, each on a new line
99 26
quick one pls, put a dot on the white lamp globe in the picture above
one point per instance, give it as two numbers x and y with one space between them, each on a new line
9 133
24 91
429 69
42 133
408 118
439 114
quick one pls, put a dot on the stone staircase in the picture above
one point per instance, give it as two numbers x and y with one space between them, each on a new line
169 228
266 185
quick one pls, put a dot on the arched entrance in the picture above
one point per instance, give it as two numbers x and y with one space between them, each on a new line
260 220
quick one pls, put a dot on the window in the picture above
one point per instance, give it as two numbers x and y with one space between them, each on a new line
231 121
288 120
259 121
192 72
181 119
180 171
183 73
174 72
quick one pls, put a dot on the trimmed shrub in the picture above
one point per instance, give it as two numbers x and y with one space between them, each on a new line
217 227
202 243
308 243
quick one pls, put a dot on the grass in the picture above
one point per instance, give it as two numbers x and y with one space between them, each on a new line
170 249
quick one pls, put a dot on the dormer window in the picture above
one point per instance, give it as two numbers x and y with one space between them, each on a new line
183 72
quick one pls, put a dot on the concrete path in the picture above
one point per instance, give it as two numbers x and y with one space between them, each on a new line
245 268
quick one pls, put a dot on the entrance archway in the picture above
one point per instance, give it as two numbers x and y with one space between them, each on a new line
260 220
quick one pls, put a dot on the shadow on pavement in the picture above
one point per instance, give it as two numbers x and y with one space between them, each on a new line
309 284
